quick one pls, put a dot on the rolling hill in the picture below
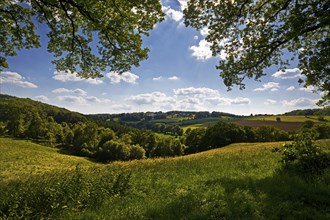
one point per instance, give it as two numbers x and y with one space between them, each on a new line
239 181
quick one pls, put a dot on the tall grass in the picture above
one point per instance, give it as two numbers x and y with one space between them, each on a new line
240 181
48 195
237 182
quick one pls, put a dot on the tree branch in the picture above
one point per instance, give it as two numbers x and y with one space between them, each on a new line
17 27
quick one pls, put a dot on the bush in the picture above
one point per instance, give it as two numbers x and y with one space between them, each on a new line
137 152
113 150
304 157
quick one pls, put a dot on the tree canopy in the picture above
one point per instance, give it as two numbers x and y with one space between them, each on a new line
253 35
85 36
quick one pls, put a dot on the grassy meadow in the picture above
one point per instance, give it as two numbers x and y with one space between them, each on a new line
287 118
239 181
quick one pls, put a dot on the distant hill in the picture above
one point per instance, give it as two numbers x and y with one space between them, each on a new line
9 104
325 111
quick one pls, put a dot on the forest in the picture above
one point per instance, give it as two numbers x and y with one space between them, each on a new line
104 139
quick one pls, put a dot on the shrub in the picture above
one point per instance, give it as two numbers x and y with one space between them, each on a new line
137 152
304 157
113 150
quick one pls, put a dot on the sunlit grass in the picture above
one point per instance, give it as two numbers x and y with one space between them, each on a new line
19 159
239 181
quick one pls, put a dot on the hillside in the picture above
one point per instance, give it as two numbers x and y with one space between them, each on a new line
239 181
10 105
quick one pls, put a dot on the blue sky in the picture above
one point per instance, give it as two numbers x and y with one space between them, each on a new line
180 74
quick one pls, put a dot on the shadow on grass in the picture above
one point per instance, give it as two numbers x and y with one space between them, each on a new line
281 196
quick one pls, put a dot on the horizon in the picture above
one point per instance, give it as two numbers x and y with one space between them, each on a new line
179 74
193 111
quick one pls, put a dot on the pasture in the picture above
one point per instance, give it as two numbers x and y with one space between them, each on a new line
240 181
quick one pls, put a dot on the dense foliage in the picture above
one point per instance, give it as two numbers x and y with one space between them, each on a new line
304 156
250 36
79 28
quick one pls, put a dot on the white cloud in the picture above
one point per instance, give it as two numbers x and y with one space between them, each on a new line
270 102
308 89
150 98
73 77
93 99
122 108
204 31
61 90
94 81
291 88
202 51
169 78
173 14
157 78
300 102
288 74
80 92
72 99
240 101
186 99
196 37
228 101
196 91
183 4
173 78
16 79
125 77
82 100
76 91
272 86
42 98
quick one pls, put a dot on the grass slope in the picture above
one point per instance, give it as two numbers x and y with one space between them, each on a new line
19 159
240 181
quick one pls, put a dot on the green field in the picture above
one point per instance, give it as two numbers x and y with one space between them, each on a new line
240 181
286 118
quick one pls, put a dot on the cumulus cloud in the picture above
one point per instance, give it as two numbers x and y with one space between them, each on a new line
300 102
73 77
288 74
75 91
42 98
291 88
183 4
190 98
93 99
173 14
125 77
16 79
150 98
308 89
270 102
272 86
72 99
240 101
202 51
173 78
82 100
196 91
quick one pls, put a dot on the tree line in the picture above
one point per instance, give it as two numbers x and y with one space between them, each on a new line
109 141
